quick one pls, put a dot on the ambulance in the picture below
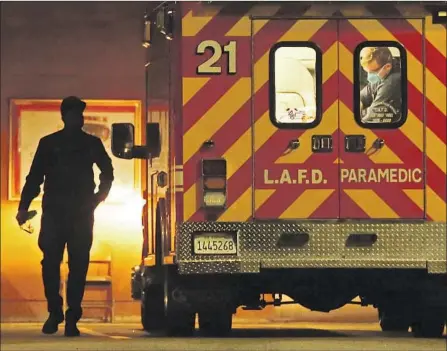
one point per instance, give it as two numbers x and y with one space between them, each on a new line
302 155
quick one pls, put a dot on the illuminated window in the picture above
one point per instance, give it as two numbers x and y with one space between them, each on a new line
380 84
295 85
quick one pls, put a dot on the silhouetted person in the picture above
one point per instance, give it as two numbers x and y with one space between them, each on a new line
65 161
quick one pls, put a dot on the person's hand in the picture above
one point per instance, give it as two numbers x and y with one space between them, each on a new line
96 201
22 217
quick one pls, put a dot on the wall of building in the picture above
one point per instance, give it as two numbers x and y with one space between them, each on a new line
50 50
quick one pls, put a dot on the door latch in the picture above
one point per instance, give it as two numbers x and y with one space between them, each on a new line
355 143
294 144
379 143
322 143
208 144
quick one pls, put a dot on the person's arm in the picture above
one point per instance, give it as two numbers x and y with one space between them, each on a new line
384 96
366 97
104 163
34 179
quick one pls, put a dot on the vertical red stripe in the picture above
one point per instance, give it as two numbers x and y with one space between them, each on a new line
16 167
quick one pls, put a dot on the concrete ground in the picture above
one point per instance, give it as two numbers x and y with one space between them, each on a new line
246 336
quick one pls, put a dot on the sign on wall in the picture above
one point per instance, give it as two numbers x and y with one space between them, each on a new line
30 120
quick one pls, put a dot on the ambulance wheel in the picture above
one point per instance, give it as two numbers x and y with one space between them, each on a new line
429 325
152 308
393 322
180 318
215 322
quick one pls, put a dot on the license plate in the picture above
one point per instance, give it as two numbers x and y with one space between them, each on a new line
215 244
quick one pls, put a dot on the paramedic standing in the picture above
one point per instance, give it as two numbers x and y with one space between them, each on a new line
64 163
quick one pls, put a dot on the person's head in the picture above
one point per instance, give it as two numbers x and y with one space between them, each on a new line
377 62
72 109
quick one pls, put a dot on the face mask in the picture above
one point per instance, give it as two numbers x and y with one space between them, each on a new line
373 78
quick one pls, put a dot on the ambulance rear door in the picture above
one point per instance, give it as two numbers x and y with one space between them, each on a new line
382 122
295 119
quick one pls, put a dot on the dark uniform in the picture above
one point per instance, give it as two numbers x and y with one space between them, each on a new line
65 161
383 99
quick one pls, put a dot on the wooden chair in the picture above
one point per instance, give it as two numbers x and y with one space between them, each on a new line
98 282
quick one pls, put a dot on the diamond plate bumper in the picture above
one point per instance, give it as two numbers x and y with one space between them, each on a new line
421 245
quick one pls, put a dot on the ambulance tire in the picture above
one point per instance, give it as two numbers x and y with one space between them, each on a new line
215 322
429 325
180 318
152 308
393 322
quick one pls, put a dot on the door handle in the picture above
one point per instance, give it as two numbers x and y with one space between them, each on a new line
322 143
378 143
355 143
294 144
208 144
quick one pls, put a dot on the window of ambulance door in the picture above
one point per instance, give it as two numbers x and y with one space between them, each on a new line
380 85
295 85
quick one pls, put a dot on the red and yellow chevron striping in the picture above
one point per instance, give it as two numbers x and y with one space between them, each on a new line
233 111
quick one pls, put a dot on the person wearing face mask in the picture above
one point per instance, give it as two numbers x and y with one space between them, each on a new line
380 99
64 163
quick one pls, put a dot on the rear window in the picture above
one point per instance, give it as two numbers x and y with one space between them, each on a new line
295 85
380 84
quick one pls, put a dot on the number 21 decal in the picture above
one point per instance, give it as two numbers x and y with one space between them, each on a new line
208 67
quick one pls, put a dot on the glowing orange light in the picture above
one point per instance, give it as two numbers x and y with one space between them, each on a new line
214 183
